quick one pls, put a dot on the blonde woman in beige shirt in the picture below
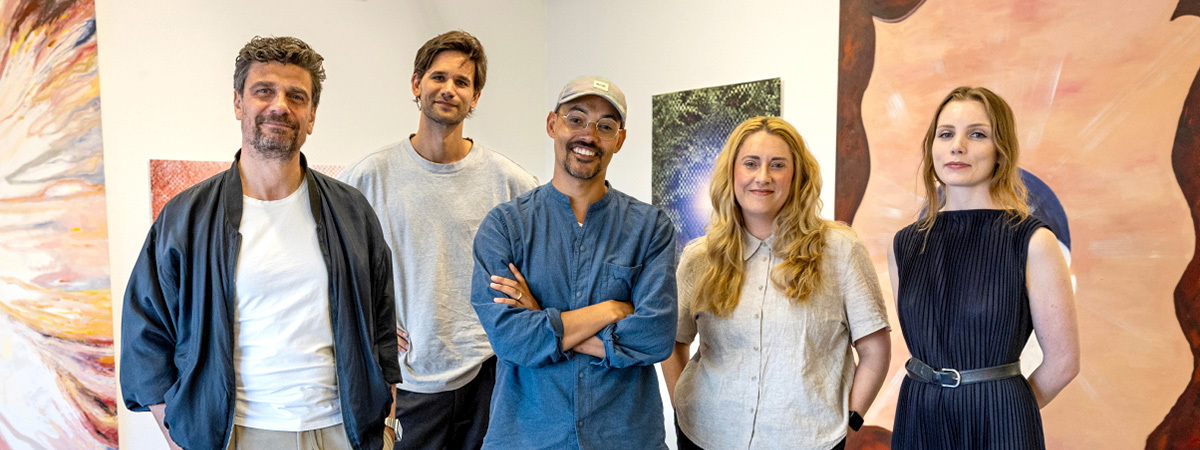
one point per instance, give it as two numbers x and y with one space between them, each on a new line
779 297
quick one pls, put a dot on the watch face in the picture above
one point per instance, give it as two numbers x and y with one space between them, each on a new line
856 420
394 424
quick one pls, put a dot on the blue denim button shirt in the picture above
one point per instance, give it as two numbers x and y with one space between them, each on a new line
545 397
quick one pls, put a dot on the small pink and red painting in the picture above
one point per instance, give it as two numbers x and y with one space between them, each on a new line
169 177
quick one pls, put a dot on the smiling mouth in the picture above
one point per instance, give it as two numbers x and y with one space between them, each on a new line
276 121
762 192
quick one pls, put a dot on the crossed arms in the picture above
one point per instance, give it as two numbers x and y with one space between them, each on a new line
638 330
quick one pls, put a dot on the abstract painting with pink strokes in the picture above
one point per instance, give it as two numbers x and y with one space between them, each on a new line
57 383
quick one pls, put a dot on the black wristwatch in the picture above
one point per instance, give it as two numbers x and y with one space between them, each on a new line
856 420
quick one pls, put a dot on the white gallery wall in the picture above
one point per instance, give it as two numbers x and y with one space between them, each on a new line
166 73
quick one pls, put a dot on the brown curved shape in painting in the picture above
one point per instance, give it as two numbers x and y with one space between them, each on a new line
1178 429
856 59
870 437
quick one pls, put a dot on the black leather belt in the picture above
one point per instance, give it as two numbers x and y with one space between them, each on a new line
951 378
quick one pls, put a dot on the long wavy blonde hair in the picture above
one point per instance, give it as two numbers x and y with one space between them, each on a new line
1006 188
799 232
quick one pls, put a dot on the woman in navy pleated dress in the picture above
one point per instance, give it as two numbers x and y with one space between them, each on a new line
973 277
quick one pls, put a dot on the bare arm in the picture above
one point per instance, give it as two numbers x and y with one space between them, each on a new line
584 323
874 356
159 412
1052 305
591 346
673 367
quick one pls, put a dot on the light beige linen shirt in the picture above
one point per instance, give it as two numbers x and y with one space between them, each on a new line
776 373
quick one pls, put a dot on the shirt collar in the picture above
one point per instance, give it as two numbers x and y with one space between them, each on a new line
562 198
751 244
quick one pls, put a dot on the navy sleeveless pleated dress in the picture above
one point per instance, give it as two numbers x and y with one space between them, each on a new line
963 304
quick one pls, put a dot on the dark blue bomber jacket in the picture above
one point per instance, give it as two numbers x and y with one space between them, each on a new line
177 323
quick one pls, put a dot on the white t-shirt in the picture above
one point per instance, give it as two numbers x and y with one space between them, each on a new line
283 356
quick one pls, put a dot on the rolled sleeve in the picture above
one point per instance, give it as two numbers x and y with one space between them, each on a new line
865 310
518 335
647 336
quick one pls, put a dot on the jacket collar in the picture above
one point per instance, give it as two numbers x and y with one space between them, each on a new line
231 192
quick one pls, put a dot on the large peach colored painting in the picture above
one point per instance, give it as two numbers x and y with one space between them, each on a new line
57 385
1101 95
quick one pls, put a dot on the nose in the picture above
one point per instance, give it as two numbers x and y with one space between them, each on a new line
761 175
590 132
279 103
959 144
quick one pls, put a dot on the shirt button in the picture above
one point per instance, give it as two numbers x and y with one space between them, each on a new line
580 375
756 348
581 248
753 378
579 423
756 316
751 409
577 293
760 288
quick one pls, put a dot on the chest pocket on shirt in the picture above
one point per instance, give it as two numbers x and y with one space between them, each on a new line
618 282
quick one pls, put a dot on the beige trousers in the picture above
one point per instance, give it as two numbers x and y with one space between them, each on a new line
328 438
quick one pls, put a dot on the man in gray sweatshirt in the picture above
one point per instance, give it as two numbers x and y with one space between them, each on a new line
431 191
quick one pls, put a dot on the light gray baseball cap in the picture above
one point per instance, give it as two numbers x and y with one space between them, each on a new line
593 85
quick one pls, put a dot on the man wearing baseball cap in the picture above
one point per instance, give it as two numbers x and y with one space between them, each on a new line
574 283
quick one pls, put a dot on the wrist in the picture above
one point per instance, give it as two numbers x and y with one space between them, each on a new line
615 312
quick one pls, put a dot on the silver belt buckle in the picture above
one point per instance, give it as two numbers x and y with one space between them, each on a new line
957 377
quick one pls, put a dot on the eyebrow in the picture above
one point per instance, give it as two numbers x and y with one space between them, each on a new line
263 83
985 125
449 74
274 85
580 109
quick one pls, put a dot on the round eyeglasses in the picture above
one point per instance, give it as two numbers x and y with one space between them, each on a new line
607 128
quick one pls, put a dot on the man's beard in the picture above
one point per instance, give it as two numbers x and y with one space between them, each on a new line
582 173
427 108
273 145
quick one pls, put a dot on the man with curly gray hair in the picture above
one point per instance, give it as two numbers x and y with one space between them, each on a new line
261 311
